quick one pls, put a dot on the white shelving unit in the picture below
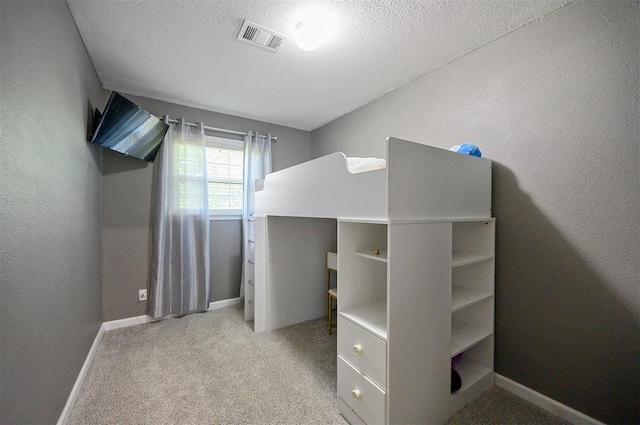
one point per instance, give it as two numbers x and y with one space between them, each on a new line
362 321
387 352
472 307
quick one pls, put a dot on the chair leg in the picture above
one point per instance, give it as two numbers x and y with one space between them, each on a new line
328 296
330 315
329 312
329 299
329 302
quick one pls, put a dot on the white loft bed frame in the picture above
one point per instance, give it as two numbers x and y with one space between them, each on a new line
419 182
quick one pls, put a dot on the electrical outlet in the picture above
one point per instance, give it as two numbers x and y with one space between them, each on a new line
142 295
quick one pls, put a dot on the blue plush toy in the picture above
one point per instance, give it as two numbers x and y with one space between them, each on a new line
467 149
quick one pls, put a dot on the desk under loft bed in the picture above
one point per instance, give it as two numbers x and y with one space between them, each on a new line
415 243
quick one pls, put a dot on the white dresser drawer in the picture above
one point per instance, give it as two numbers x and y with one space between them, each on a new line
349 414
365 351
360 394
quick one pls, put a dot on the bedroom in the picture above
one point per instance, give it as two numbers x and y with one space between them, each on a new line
553 104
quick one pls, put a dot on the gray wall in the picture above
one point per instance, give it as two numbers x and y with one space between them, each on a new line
128 188
50 210
226 259
555 105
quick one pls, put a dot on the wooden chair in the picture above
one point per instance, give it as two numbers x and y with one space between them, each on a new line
332 293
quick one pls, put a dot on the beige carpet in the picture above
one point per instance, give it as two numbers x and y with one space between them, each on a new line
211 368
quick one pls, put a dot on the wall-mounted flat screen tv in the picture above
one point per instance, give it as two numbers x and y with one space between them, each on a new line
127 128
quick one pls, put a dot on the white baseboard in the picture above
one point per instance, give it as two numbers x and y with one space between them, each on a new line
224 303
139 320
66 411
123 323
550 405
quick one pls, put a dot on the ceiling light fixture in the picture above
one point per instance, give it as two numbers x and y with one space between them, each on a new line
311 34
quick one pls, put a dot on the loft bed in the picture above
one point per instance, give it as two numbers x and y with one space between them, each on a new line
303 203
415 243
418 182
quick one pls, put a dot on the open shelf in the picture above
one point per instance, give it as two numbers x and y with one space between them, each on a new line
465 336
475 380
462 297
370 255
371 316
465 258
470 373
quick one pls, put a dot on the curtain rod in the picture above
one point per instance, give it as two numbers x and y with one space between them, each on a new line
220 130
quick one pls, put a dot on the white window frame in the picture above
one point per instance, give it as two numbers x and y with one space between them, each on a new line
229 144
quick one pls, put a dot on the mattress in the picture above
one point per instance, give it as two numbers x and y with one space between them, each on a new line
357 165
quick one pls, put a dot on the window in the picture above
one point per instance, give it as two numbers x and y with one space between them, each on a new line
190 169
225 171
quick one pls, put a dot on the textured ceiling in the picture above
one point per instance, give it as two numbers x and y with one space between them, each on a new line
186 51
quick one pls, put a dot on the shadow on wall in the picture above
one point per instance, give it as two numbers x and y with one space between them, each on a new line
125 163
96 155
94 150
556 317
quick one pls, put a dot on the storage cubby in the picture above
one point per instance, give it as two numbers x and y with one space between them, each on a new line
471 284
470 326
476 372
472 241
362 256
472 307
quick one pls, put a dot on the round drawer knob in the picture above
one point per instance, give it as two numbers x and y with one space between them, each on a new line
357 349
355 394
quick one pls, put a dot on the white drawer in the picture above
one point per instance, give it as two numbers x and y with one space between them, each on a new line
360 394
349 414
365 351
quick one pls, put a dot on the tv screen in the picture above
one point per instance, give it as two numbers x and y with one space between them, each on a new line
127 128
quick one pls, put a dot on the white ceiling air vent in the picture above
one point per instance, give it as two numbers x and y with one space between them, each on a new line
261 36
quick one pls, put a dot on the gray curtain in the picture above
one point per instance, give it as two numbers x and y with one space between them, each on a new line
180 259
257 164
